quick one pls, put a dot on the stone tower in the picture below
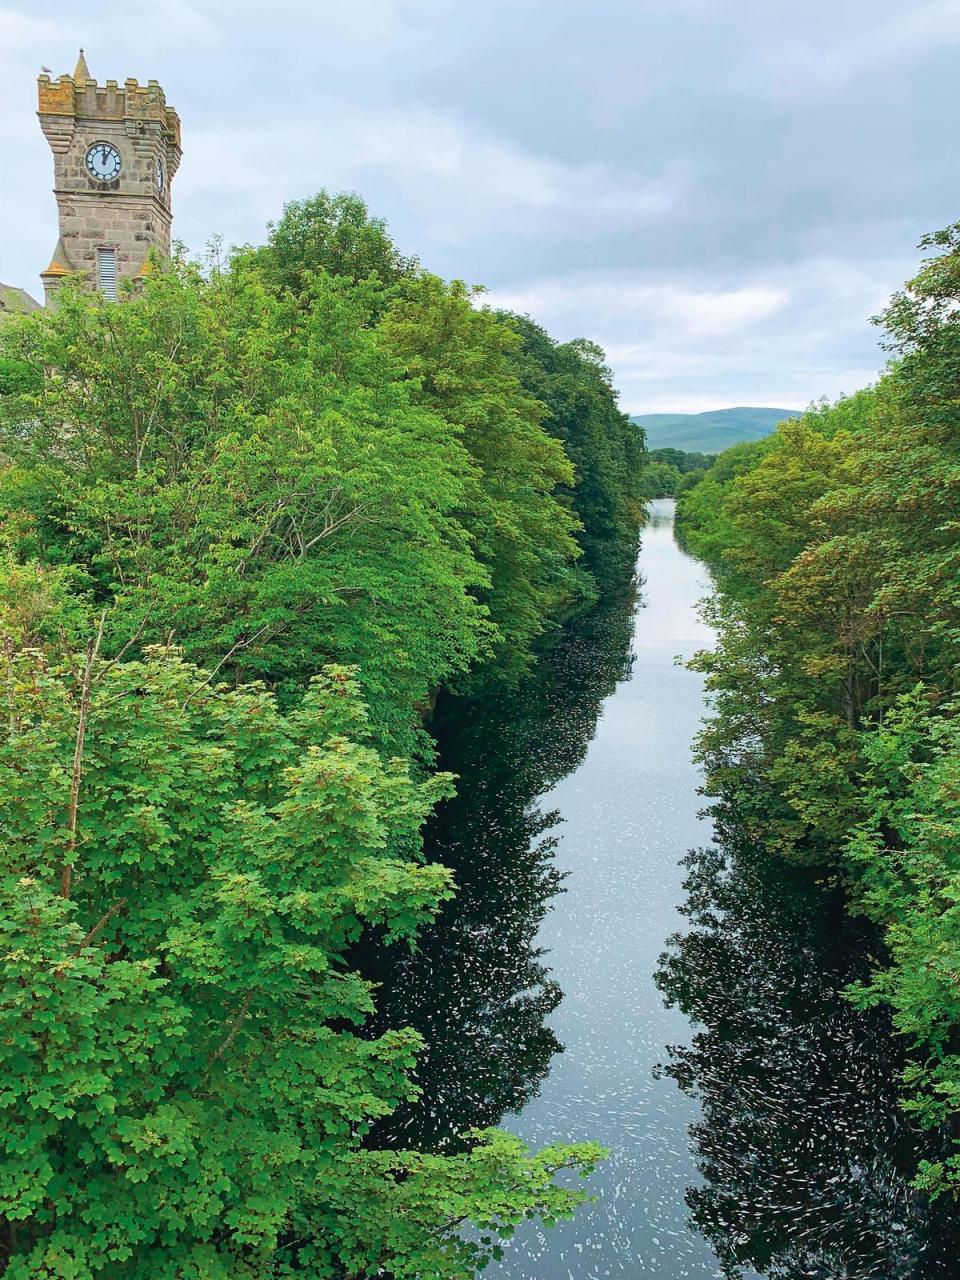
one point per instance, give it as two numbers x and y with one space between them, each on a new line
115 152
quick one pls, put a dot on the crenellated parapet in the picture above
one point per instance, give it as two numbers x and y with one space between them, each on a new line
64 101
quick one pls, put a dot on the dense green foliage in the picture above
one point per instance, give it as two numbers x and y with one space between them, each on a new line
671 471
836 551
607 451
289 497
496 379
513 504
333 234
254 475
17 377
184 1087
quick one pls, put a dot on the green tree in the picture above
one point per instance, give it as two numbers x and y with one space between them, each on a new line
660 479
607 450
836 553
16 377
908 879
253 474
459 358
332 233
184 1080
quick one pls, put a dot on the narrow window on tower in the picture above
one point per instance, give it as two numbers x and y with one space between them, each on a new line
107 273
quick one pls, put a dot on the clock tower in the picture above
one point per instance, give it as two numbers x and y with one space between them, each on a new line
115 152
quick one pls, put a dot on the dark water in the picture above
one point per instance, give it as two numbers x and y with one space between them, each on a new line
596 979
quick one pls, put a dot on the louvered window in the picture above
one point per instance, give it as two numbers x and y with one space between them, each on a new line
107 272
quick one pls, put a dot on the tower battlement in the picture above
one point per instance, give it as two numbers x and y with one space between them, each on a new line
116 150
135 102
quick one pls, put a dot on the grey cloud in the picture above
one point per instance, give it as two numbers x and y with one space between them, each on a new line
721 191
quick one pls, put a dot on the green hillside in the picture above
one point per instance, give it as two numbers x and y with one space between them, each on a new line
709 432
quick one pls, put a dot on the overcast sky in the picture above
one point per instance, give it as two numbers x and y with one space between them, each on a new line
720 192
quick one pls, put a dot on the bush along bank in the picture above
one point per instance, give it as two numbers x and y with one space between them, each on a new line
835 737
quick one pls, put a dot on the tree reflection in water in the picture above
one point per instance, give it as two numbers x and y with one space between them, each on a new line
804 1154
477 988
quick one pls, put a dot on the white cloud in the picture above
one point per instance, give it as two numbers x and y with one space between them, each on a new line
22 30
798 333
25 42
143 29
836 54
658 174
454 180
709 313
612 300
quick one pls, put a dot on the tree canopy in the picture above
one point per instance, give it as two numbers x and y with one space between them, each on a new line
186 1084
253 517
834 545
607 450
332 233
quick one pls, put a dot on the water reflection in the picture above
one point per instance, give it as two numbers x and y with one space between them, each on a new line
804 1154
478 989
783 1152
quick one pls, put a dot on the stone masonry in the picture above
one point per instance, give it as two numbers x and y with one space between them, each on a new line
129 214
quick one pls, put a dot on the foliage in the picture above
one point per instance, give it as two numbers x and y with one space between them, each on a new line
331 233
700 523
906 852
253 474
185 1087
670 471
606 449
660 479
17 377
345 475
835 548
501 396
459 357
312 459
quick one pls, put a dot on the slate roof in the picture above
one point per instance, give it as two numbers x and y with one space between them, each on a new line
14 301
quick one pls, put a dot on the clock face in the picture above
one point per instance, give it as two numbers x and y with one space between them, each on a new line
103 162
160 176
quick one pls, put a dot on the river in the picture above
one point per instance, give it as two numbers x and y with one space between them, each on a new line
607 972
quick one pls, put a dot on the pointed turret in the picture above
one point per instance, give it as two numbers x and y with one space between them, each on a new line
59 269
59 263
81 72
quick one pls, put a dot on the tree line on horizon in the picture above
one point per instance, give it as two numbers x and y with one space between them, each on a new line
834 739
670 472
253 517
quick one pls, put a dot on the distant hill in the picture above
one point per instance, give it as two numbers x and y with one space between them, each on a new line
709 432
